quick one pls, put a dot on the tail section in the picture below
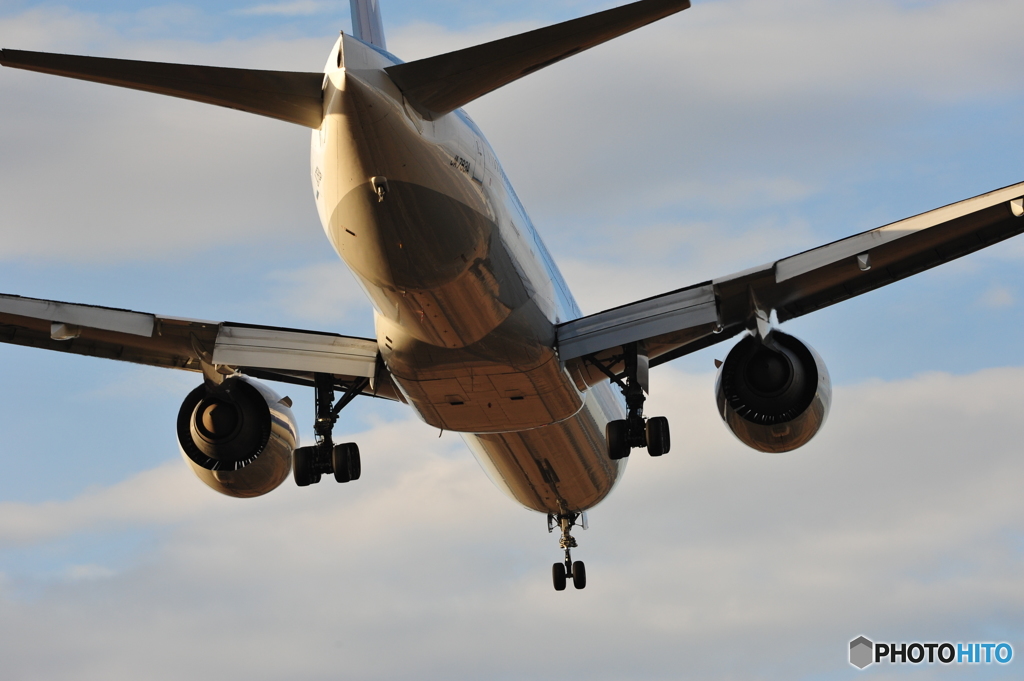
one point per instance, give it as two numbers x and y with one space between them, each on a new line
440 84
367 24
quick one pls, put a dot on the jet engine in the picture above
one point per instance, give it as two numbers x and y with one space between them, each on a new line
774 395
238 437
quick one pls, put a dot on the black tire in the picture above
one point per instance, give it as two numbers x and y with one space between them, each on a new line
579 575
558 576
302 467
355 466
345 462
658 440
617 434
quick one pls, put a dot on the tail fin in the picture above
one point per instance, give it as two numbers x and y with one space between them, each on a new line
366 22
441 84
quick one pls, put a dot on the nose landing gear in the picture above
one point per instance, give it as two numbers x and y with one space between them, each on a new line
325 457
567 569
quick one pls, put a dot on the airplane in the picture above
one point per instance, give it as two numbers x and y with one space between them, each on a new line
476 329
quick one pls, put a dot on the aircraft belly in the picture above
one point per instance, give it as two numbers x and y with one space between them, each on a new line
559 468
511 379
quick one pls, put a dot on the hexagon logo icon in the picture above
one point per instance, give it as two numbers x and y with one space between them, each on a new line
861 652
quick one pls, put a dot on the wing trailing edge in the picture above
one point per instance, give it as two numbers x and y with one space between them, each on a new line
294 97
437 85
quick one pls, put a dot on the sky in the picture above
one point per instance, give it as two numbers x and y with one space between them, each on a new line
730 135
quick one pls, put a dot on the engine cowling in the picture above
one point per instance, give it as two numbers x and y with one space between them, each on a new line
239 437
774 396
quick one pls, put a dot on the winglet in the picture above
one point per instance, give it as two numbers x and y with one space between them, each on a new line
437 85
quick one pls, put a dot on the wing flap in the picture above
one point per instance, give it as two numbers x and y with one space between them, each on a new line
289 355
294 97
288 350
437 85
645 319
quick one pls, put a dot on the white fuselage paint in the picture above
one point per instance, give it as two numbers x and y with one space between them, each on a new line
466 296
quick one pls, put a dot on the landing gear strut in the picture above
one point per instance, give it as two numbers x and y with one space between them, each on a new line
635 430
325 457
577 571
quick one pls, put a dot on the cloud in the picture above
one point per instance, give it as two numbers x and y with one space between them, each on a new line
289 9
998 297
326 294
899 521
99 184
720 139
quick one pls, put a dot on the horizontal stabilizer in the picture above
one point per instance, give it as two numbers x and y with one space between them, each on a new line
287 96
443 83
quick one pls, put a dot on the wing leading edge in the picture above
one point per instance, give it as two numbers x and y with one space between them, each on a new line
680 322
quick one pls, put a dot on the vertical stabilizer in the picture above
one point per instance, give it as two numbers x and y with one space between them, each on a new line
366 22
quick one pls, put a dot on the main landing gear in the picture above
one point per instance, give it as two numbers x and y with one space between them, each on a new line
634 431
567 569
325 457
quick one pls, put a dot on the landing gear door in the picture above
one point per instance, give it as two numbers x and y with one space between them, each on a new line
478 163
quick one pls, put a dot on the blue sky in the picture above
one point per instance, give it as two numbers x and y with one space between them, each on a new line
733 134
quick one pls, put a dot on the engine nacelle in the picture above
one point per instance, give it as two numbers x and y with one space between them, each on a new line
773 396
238 438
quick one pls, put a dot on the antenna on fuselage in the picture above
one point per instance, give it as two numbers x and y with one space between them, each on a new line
367 24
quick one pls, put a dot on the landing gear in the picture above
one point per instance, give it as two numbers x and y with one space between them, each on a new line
634 431
325 457
560 572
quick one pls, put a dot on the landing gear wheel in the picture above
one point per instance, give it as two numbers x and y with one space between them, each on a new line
658 441
355 467
345 461
302 466
558 576
579 574
617 434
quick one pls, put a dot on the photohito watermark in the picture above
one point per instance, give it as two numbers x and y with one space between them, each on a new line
864 652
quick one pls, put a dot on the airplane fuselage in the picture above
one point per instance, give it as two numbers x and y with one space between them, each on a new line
466 296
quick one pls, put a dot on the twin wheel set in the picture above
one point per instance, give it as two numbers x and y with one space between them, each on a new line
325 457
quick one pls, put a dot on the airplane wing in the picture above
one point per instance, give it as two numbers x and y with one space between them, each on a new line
287 355
689 319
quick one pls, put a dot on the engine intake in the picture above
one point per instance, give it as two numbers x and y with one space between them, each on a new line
238 438
775 395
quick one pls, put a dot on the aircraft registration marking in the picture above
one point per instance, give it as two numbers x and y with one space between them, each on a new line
460 163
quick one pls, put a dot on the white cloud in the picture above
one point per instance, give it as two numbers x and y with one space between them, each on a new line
693 148
80 573
898 521
325 293
301 8
998 297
